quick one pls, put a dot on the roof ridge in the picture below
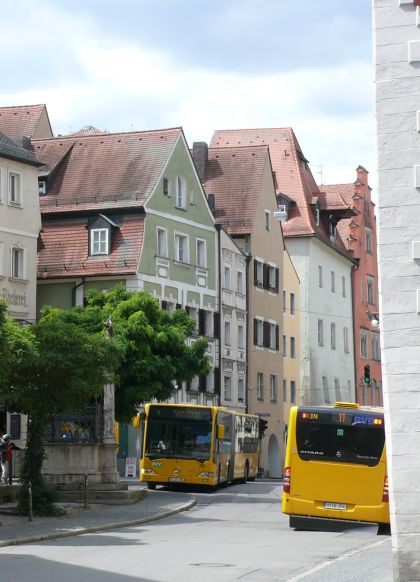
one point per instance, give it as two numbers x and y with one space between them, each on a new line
104 134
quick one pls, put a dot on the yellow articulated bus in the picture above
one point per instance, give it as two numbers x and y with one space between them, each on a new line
335 466
197 445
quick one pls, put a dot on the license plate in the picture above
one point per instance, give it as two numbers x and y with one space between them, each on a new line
176 479
340 506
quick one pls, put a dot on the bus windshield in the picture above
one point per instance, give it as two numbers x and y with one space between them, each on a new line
179 432
340 436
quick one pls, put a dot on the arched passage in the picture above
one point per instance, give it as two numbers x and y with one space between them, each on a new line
274 457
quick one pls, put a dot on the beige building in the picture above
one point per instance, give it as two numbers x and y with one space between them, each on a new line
20 223
291 337
239 185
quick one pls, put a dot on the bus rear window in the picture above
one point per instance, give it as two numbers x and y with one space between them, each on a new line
357 443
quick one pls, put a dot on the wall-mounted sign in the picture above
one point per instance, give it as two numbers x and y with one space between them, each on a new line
12 297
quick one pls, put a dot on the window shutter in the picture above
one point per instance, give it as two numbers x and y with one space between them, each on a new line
217 380
266 276
202 383
201 322
255 272
255 332
216 322
266 340
277 279
277 337
164 304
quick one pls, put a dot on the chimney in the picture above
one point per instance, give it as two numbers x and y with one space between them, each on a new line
200 157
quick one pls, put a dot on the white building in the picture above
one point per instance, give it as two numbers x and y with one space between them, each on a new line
397 51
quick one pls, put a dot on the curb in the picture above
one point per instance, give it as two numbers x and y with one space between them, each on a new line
85 530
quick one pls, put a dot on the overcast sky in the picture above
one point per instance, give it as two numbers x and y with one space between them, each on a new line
123 65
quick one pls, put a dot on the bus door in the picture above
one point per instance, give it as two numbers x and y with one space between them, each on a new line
226 453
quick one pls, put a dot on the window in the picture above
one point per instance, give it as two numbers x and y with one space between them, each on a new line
165 186
99 241
284 390
267 220
332 282
292 303
180 192
292 391
208 323
181 248
319 276
259 332
241 389
241 337
346 339
376 347
370 289
272 278
325 388
42 187
284 301
227 383
272 342
368 236
337 389
292 347
260 386
284 346
14 188
227 333
320 332
17 266
162 242
228 281
273 387
364 343
240 282
201 253
258 273
343 286
333 343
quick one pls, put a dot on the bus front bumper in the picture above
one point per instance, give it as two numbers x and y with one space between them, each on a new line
203 478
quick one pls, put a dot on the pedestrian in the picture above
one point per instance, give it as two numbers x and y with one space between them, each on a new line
5 458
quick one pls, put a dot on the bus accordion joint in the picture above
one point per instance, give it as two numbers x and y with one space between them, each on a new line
346 405
286 480
385 495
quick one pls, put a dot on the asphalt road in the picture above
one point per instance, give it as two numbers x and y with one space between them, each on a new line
235 534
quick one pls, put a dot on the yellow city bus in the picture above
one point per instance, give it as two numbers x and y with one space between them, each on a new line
335 466
198 445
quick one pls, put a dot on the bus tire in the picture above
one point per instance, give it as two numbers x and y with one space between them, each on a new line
151 486
384 529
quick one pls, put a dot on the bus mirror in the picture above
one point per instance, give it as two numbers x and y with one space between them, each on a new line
220 432
136 421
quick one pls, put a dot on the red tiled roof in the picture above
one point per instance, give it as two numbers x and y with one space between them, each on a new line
21 120
234 176
103 170
292 175
63 249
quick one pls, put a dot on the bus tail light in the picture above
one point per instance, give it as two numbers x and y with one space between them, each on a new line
286 480
385 495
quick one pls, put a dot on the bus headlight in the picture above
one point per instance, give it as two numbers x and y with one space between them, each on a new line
207 475
148 472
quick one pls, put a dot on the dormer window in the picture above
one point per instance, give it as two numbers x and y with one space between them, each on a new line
42 187
99 241
317 214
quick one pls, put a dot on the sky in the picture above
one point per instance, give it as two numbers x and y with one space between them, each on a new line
123 65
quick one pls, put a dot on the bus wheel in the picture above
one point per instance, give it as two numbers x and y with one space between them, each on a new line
246 472
384 529
151 486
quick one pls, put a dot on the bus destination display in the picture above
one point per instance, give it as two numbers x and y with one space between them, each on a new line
179 413
341 418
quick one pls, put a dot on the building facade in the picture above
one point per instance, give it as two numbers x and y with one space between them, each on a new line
359 235
397 78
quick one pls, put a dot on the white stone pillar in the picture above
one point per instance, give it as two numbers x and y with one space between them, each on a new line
397 76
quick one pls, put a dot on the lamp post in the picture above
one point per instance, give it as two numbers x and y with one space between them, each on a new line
109 466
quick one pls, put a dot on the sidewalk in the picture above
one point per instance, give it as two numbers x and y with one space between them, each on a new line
16 530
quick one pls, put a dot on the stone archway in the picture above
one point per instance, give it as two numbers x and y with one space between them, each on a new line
275 461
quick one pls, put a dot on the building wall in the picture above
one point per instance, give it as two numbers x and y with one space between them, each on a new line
321 303
291 329
397 43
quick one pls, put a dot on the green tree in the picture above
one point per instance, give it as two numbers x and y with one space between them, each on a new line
55 366
154 344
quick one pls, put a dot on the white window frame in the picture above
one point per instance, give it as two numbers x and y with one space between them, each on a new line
241 389
364 342
272 277
241 337
162 252
376 347
260 273
240 282
17 251
178 238
273 335
267 215
15 188
228 277
201 256
227 387
99 247
260 332
228 334
180 193
260 386
273 387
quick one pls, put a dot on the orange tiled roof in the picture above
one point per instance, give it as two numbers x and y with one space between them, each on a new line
108 170
63 249
234 176
21 120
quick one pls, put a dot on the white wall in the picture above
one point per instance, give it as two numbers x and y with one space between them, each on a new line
397 52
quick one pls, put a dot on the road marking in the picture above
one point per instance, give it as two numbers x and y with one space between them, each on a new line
329 562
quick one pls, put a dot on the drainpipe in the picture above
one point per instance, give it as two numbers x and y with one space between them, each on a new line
219 299
73 291
352 281
247 263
